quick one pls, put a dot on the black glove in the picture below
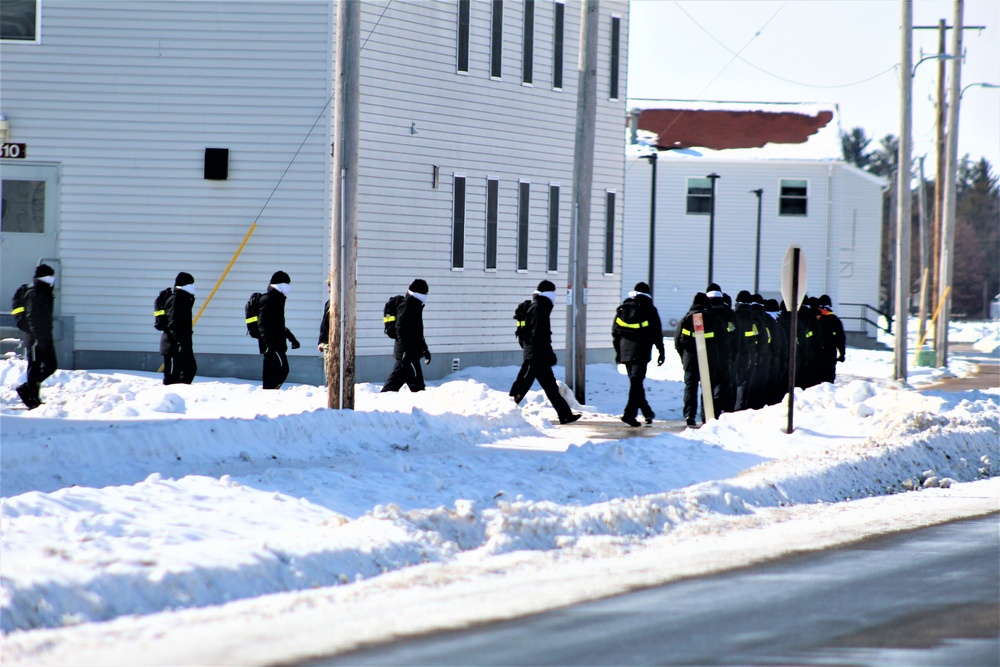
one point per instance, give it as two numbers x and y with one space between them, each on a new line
295 344
427 356
659 362
840 358
618 360
553 360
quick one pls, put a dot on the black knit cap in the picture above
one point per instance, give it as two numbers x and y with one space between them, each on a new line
43 270
743 296
825 301
641 287
419 286
183 279
280 278
714 287
546 286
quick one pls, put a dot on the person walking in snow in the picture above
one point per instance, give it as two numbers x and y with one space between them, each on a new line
274 335
832 345
410 345
179 366
39 346
538 355
634 333
684 343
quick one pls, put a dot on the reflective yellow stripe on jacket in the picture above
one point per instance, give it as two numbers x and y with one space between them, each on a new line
385 320
251 320
622 323
17 311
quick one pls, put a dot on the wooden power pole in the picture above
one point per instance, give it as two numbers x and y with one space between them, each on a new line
904 201
344 208
583 181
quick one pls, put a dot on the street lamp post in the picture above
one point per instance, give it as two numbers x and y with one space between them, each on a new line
756 267
652 157
713 177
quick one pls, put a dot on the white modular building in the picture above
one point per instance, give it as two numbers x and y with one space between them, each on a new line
147 138
809 197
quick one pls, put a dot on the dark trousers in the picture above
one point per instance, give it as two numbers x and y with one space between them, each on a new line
179 368
691 381
636 392
41 365
275 369
405 372
540 370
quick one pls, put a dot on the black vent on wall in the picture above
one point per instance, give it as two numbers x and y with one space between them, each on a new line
216 164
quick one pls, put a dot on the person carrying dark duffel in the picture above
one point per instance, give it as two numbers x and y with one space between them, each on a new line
179 365
39 346
635 331
410 345
538 355
274 335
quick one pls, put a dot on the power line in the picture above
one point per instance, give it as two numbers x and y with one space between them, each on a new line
736 54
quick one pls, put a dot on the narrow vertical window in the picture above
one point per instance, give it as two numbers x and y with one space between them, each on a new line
458 224
609 232
699 196
463 35
553 260
492 199
523 204
557 45
528 43
616 27
496 40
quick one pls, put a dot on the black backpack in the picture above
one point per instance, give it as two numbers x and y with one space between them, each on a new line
389 314
160 309
521 322
629 322
252 313
17 304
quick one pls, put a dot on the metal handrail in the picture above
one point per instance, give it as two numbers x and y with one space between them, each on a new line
864 316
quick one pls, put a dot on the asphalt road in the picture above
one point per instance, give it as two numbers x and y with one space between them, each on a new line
926 597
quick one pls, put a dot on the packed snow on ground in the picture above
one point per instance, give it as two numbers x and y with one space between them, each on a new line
140 523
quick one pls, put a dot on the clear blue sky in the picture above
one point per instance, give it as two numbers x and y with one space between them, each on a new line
806 50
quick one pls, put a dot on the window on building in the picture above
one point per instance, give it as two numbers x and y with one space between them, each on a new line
699 196
496 40
793 197
528 43
463 35
19 20
609 232
553 259
23 208
523 206
492 204
616 29
559 27
458 224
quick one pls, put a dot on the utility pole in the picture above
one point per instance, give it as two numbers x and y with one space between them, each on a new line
340 357
756 266
583 181
925 251
949 205
904 201
934 292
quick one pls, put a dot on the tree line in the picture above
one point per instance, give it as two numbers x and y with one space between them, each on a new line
976 277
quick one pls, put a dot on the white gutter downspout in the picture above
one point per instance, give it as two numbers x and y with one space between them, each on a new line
829 207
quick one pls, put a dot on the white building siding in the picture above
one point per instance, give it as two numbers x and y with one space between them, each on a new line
126 96
682 239
477 127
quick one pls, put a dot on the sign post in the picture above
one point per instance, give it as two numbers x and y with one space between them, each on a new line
706 380
793 289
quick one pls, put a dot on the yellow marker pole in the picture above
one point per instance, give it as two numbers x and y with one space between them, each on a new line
221 278
937 311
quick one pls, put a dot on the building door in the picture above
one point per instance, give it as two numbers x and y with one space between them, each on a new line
28 223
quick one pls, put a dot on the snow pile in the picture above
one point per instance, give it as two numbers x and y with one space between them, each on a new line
123 497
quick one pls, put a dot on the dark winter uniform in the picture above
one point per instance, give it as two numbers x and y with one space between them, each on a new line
716 354
538 356
635 331
832 345
179 366
723 389
410 345
808 346
39 346
274 335
777 383
744 368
